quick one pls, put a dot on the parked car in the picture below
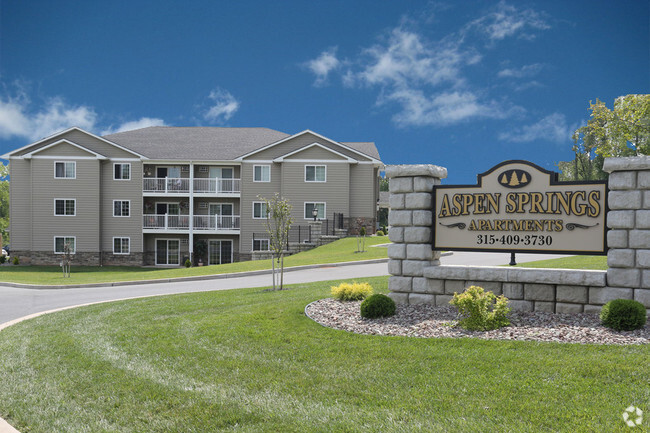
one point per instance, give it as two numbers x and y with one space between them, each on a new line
5 250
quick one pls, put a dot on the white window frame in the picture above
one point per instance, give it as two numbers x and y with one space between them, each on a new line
268 244
315 173
65 207
121 170
121 238
261 203
74 164
121 209
74 239
262 167
304 208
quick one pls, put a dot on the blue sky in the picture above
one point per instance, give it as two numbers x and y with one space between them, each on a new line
461 84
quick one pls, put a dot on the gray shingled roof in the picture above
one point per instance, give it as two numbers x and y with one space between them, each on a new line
206 143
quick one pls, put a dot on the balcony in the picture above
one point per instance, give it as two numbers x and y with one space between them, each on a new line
156 223
217 187
218 223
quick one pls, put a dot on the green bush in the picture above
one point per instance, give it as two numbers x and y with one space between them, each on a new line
351 292
188 263
3 259
377 305
16 261
380 233
623 315
481 310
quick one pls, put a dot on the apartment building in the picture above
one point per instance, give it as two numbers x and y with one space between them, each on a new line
148 196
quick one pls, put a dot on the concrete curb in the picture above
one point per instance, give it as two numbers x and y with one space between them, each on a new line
182 279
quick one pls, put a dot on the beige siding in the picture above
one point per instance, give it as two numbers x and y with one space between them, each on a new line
64 149
363 191
131 190
85 189
20 211
249 192
302 141
335 192
316 153
85 140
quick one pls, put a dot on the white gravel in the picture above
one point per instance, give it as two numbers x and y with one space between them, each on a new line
435 322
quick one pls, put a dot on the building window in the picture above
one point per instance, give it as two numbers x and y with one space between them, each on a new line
122 171
121 208
65 170
60 241
262 173
309 210
259 210
260 244
65 207
315 173
121 245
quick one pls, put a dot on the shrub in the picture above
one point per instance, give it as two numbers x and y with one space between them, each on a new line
380 233
16 261
188 263
2 259
377 305
623 315
481 310
351 292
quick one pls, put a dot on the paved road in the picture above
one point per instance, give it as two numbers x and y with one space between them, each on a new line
19 302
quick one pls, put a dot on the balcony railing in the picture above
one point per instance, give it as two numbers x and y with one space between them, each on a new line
166 222
167 185
177 185
217 186
182 222
216 222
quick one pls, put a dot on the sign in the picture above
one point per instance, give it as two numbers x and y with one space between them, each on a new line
518 206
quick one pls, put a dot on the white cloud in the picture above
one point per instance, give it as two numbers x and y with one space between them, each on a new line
428 80
56 115
551 128
524 71
322 65
143 122
507 21
224 106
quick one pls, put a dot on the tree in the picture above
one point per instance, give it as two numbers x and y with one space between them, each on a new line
4 201
623 131
278 222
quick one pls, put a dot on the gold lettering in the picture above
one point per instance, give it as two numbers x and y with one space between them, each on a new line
468 199
594 204
511 202
456 199
523 199
444 207
536 199
578 209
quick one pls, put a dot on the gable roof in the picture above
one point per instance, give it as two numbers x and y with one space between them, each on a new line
63 141
354 147
74 128
195 142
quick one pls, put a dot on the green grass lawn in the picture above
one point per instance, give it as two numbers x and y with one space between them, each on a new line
573 262
343 250
250 361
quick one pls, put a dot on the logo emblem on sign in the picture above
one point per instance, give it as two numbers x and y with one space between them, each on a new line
514 178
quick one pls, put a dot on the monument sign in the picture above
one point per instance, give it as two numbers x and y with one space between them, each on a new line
518 206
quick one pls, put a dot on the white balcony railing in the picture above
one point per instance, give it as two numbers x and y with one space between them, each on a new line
217 186
216 222
166 222
167 185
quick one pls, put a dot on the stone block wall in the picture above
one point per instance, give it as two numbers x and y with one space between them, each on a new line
410 220
417 277
628 258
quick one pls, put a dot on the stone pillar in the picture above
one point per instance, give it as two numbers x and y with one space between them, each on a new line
628 258
410 218
316 230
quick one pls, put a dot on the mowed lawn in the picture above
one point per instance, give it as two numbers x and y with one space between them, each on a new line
251 361
343 250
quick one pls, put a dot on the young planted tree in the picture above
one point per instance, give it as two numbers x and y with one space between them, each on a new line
4 201
278 223
67 259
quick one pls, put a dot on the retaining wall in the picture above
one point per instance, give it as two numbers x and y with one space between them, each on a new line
418 277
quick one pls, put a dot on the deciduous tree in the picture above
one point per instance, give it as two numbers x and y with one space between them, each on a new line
278 223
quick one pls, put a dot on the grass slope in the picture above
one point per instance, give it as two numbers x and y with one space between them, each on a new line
573 262
343 250
250 361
